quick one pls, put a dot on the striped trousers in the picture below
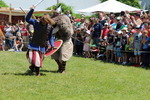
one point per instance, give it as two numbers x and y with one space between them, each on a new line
35 57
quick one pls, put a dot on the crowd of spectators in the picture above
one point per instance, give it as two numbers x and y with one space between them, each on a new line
122 38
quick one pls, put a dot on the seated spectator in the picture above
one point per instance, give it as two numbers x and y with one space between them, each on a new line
94 51
18 42
102 49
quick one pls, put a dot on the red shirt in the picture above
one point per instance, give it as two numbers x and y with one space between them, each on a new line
24 32
105 31
2 28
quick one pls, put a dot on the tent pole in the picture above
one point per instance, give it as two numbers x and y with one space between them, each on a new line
10 14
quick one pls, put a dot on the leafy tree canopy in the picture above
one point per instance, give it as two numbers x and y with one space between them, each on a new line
64 7
3 4
134 3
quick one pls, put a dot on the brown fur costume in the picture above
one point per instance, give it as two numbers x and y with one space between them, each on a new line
64 32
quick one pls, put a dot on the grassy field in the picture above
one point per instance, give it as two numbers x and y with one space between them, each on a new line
86 79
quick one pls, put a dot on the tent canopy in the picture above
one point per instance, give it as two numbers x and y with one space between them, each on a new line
19 12
110 6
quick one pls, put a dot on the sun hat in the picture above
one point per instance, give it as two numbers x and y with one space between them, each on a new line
119 32
125 29
94 45
106 24
138 27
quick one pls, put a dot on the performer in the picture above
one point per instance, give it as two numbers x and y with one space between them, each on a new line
38 44
63 30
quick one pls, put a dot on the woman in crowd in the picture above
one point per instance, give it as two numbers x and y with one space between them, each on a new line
9 36
145 48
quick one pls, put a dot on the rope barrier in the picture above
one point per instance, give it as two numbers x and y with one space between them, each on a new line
121 51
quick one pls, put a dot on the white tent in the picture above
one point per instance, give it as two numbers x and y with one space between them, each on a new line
109 6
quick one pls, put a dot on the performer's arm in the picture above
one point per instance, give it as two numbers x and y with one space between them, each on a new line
51 38
28 17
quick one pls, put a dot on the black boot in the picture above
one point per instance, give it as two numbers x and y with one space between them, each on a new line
37 70
32 68
59 66
63 67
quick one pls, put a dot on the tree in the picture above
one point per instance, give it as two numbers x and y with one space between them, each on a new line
3 4
134 3
64 7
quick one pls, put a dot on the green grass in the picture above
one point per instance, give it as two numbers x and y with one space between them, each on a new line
85 79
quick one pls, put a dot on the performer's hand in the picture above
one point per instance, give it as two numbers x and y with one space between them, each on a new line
33 7
53 48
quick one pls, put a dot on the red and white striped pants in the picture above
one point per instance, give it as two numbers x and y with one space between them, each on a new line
35 57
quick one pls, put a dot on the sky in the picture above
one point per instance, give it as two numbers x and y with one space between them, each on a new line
76 4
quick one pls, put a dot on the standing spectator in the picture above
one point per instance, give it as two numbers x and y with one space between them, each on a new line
30 29
136 20
118 41
146 27
2 25
24 34
124 43
109 48
145 47
86 46
97 32
105 31
102 18
9 36
131 48
78 42
118 23
2 38
137 44
68 13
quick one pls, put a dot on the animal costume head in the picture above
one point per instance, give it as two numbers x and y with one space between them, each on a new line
64 28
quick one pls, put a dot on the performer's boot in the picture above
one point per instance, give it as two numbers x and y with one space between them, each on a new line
37 70
63 67
59 65
32 68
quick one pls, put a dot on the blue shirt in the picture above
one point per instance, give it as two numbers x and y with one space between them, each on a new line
36 25
145 46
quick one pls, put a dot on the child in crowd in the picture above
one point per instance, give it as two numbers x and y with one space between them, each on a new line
124 44
86 46
118 40
94 51
18 42
110 42
102 49
131 48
